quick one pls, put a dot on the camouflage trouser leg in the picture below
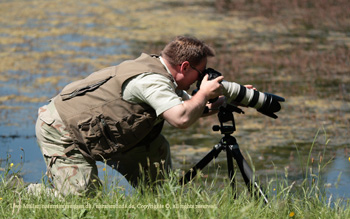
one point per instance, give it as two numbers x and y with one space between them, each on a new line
150 161
69 175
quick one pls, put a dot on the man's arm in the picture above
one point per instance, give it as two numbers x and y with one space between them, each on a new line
185 114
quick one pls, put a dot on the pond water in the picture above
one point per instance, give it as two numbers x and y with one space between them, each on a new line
51 44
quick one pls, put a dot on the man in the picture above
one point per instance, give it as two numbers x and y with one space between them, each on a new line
116 115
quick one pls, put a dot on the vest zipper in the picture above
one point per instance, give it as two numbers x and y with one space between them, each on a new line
83 90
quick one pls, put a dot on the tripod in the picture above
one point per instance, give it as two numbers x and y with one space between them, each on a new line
230 145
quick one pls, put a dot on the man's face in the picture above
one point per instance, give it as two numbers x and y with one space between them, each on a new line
190 74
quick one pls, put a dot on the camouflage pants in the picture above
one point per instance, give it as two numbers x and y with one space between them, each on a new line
73 174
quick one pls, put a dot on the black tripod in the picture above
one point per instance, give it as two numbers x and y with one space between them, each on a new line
230 145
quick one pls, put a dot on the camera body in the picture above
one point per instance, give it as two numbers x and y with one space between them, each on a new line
212 74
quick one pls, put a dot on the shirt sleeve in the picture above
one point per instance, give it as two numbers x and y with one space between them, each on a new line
154 89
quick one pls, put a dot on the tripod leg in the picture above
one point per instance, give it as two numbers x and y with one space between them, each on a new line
201 164
231 172
246 171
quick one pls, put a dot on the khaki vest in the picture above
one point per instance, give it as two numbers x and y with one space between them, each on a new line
99 120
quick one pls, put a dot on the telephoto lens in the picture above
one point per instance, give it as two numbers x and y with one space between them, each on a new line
266 103
236 94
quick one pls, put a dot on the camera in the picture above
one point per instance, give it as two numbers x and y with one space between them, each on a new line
212 74
236 94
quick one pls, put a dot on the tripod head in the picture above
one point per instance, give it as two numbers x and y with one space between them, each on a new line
225 115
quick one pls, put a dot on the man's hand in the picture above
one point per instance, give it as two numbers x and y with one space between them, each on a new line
212 88
249 86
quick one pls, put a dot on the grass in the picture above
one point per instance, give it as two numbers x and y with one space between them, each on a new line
201 198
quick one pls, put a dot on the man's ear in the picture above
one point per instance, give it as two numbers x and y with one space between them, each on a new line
184 66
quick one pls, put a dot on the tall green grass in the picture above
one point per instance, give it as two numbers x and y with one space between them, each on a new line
201 198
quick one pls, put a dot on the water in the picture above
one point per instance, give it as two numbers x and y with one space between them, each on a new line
338 177
44 48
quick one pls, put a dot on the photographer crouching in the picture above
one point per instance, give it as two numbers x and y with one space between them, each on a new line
116 115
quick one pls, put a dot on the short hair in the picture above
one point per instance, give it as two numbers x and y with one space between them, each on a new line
186 48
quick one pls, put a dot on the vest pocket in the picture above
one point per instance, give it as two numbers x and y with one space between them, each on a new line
104 137
108 133
98 137
133 129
